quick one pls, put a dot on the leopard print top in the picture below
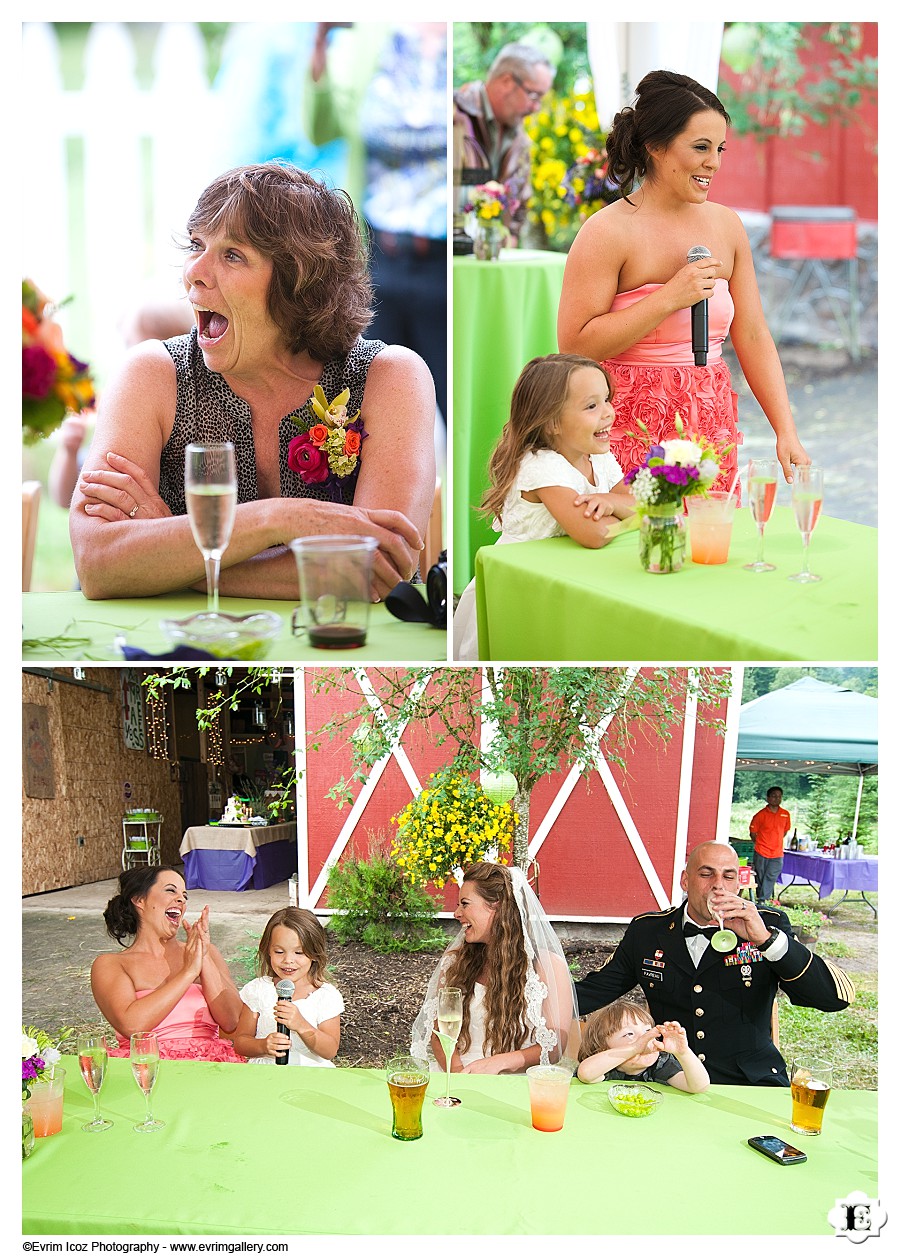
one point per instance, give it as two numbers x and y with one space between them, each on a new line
207 410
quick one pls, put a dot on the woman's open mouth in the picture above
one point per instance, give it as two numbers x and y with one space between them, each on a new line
211 325
174 915
702 181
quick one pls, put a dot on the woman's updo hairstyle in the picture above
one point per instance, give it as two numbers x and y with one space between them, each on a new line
120 913
664 104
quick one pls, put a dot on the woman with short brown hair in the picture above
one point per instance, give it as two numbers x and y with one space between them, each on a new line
275 274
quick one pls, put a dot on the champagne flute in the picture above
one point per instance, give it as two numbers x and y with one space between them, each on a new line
92 1058
806 499
449 1019
762 489
145 1066
210 491
723 940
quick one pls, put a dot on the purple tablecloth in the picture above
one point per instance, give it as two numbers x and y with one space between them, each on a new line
225 858
830 874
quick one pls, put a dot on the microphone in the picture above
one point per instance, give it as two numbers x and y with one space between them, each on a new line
283 990
699 314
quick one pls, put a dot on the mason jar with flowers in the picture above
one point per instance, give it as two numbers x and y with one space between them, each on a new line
672 470
488 203
451 823
40 1054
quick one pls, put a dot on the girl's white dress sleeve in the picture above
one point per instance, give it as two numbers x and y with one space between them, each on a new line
530 521
325 1002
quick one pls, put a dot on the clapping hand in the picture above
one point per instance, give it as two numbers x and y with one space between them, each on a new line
197 944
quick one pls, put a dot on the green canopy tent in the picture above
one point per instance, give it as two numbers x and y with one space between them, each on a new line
810 727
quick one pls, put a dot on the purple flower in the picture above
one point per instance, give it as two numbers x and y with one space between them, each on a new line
656 451
31 1068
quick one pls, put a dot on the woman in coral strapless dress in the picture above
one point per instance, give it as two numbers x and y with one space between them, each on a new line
628 291
179 988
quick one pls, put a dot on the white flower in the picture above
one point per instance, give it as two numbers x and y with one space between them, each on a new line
708 470
682 453
51 1055
644 487
29 1047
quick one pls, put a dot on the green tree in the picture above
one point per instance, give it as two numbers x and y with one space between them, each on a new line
476 44
779 92
818 813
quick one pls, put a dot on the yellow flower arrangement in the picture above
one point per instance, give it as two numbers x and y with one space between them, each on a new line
450 824
562 132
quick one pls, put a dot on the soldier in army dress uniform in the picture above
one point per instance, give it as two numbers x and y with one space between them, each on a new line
724 1000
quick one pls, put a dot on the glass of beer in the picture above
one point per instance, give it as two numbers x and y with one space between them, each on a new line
407 1078
810 1089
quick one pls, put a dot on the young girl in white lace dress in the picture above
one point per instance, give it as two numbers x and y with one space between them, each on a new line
551 472
292 949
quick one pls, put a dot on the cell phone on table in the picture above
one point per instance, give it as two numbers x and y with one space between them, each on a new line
777 1150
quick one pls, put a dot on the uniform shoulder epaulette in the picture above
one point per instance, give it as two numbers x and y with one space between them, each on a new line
662 912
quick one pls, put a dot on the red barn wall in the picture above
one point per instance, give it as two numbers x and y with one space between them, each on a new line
832 164
587 865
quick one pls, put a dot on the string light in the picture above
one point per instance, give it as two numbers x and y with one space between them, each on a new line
157 727
215 754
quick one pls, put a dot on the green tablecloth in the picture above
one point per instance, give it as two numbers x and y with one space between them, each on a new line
555 600
504 314
218 1167
71 615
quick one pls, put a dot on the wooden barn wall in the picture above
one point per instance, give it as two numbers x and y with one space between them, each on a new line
90 767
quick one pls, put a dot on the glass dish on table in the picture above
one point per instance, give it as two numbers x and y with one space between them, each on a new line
225 636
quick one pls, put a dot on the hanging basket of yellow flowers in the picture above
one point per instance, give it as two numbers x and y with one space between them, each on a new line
451 823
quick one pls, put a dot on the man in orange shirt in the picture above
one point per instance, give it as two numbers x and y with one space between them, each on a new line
767 829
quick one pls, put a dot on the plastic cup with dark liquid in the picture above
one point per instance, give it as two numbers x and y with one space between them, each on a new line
335 575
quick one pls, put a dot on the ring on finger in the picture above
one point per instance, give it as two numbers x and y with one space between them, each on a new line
134 510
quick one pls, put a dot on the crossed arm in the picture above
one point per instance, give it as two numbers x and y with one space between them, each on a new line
121 554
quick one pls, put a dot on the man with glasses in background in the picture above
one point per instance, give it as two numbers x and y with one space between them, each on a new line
491 115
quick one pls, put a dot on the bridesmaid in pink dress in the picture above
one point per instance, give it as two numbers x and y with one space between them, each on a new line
181 988
628 289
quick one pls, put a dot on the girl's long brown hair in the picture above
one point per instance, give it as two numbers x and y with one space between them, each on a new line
537 402
503 962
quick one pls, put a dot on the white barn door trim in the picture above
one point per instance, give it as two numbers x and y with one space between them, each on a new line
594 737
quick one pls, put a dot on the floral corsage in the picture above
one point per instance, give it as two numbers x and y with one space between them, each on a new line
328 451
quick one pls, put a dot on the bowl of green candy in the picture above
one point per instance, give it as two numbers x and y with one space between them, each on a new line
225 636
632 1099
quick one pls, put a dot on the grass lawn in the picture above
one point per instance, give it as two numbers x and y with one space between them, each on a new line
850 1038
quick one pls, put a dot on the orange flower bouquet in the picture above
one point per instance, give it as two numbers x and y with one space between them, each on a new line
53 381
